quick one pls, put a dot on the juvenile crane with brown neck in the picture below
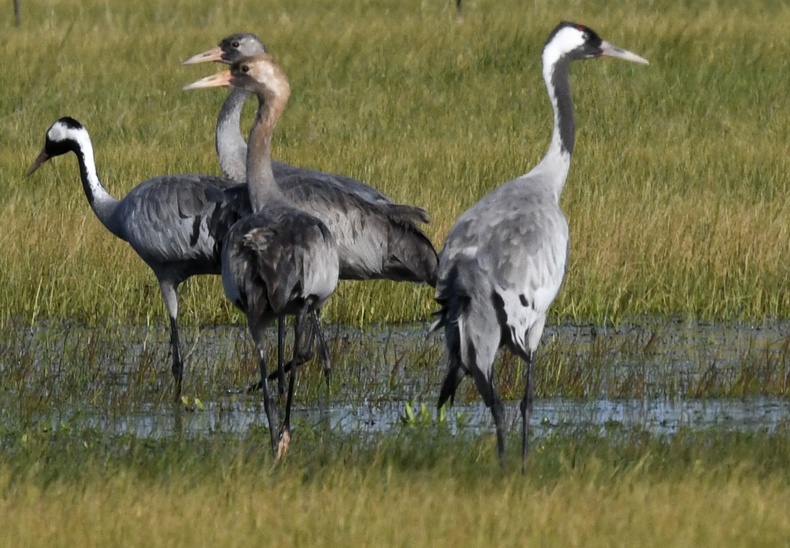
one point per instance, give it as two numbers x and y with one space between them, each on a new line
376 238
279 260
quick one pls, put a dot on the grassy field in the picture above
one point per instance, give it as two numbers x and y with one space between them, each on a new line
418 489
67 477
676 203
676 198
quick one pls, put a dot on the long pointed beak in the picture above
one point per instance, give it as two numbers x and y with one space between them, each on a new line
214 54
610 50
215 80
40 159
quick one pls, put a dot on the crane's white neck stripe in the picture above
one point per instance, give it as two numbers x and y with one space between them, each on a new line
95 190
555 164
565 41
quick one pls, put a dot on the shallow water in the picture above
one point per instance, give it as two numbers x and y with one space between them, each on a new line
550 416
656 376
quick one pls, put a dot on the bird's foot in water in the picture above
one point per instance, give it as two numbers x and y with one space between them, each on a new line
284 444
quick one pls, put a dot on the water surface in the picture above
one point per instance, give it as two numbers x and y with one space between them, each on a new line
658 376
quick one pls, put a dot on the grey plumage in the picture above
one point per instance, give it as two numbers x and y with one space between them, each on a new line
400 251
353 198
230 144
279 260
166 219
232 148
376 238
275 261
504 260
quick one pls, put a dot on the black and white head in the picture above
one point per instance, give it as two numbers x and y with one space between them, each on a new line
65 135
230 49
571 41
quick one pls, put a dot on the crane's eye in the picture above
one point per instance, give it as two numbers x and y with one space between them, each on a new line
235 43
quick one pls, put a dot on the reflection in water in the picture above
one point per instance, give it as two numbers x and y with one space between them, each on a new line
657 376
551 415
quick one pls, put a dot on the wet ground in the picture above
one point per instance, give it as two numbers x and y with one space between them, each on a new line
550 415
655 376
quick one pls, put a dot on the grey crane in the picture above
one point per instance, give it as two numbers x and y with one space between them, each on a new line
229 141
166 219
505 258
280 259
376 238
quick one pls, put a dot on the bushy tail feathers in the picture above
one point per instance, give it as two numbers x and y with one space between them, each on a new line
289 284
412 257
467 317
406 213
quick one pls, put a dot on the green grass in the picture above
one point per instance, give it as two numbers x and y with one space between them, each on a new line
64 482
676 202
67 369
422 487
676 197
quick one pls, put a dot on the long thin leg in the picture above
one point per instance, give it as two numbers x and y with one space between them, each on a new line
278 373
267 400
482 344
280 354
497 411
526 409
178 366
323 349
257 330
302 354
487 389
305 354
285 430
169 291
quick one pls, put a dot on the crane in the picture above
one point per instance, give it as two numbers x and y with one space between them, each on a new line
166 219
504 260
390 246
280 259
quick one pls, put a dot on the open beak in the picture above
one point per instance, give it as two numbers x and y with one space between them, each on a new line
214 54
40 159
610 50
215 80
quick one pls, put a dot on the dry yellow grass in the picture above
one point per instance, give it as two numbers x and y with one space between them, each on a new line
677 203
676 198
392 509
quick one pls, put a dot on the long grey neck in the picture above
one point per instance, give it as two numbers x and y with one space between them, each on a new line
555 165
101 202
231 147
260 177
